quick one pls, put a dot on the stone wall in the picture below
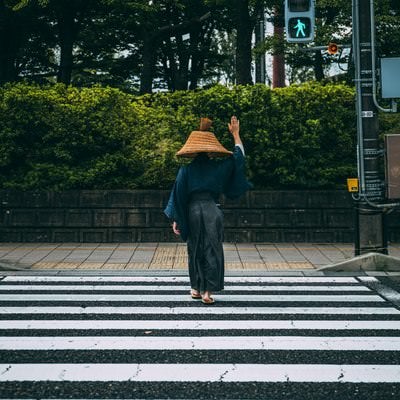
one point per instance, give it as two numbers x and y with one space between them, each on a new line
136 216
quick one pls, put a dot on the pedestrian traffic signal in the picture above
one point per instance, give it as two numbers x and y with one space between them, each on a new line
299 21
333 48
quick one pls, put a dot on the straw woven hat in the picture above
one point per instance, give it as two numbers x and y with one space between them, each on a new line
203 141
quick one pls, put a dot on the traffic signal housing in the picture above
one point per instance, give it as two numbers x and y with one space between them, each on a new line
333 48
299 21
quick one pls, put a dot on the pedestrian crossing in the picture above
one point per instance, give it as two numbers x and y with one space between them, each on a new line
266 337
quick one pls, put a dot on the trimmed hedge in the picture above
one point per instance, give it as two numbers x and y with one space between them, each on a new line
58 137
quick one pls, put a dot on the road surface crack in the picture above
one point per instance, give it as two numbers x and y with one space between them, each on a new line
221 378
6 370
137 372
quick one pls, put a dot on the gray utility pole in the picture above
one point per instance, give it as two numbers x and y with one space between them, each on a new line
260 58
370 226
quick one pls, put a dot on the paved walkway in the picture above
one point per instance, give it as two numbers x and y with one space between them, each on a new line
172 256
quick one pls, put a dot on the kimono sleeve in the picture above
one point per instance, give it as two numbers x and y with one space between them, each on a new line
176 208
238 183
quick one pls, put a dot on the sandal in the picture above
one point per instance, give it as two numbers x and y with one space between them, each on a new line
208 301
195 294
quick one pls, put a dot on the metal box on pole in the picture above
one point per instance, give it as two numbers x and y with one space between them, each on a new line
392 165
390 74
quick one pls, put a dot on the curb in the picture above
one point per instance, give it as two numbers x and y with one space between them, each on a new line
13 267
365 262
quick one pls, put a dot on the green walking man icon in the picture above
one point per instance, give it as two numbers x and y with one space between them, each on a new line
300 28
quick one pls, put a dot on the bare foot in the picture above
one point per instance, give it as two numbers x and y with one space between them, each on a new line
206 298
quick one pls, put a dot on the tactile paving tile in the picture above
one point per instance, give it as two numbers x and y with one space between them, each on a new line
288 265
276 265
44 265
254 265
114 266
67 265
90 265
300 265
164 258
181 258
234 265
137 265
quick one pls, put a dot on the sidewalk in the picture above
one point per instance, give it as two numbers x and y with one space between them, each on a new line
172 256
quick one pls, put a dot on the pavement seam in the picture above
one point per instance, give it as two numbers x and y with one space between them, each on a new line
242 262
49 252
55 249
16 246
93 250
154 254
315 248
133 252
24 254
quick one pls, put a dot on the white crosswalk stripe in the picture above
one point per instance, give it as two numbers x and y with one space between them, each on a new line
182 279
183 298
186 288
198 311
198 324
63 335
201 343
206 372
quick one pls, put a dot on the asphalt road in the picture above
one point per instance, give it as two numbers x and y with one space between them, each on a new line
143 337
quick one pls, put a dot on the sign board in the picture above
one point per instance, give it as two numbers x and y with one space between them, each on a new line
392 164
390 77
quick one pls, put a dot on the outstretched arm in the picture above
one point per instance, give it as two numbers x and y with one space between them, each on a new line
238 184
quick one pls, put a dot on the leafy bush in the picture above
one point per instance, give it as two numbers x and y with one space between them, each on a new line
58 137
295 137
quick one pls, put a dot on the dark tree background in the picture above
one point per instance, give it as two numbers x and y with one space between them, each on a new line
140 46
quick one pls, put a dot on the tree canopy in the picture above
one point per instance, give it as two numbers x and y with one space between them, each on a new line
146 45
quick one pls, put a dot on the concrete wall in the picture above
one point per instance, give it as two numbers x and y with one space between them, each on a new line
136 215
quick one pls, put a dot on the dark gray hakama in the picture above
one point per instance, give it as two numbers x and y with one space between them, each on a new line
205 251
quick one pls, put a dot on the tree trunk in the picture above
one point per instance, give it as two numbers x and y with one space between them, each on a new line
196 55
151 45
318 68
182 76
244 31
169 64
148 58
278 56
9 44
66 15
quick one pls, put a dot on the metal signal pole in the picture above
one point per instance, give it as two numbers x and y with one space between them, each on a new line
370 227
260 58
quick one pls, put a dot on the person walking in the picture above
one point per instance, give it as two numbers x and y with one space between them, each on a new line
192 205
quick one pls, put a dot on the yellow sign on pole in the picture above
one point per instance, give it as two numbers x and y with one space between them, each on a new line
352 185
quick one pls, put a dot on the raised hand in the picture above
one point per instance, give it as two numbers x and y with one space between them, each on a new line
234 126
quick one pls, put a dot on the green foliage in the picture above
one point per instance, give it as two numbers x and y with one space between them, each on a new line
390 123
62 137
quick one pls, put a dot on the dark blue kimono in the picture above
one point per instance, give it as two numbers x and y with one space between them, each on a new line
203 174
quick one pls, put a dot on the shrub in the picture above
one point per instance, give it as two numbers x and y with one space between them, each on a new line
58 137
